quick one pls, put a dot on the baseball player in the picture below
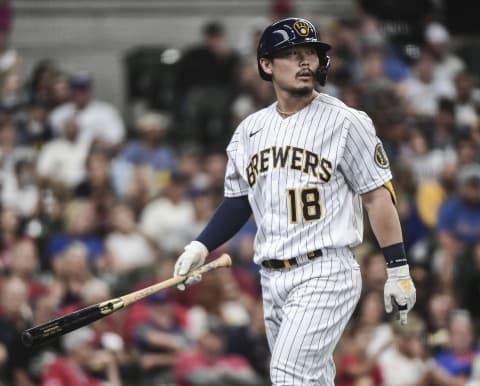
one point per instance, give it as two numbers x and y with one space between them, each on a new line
303 166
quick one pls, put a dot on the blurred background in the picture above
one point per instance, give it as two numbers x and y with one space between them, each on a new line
114 117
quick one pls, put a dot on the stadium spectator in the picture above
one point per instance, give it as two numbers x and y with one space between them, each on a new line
78 228
440 307
25 266
149 153
40 85
10 151
203 206
353 365
20 190
467 101
467 276
107 330
60 90
250 342
444 131
422 90
11 61
370 313
82 364
97 187
232 306
127 249
10 234
33 128
404 362
99 122
166 219
71 272
207 364
61 162
438 44
206 83
253 93
372 77
425 162
462 350
459 221
15 313
373 271
394 127
159 340
346 65
215 167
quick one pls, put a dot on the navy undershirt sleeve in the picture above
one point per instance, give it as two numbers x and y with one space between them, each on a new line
227 220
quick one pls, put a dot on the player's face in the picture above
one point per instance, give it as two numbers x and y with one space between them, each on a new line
294 69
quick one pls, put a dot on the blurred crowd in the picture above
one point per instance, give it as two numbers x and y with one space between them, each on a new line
94 205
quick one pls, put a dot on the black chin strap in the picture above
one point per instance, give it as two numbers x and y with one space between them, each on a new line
322 71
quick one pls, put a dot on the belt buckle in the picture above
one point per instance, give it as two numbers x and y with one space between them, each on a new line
311 255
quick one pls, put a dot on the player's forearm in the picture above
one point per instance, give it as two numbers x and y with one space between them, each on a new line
386 226
383 217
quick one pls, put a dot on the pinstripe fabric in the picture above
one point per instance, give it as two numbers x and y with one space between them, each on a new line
306 310
303 176
327 130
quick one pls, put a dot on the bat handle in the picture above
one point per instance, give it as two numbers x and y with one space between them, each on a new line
223 261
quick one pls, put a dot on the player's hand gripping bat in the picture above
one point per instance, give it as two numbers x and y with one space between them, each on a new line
54 328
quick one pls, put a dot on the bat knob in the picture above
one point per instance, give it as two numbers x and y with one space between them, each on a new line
27 339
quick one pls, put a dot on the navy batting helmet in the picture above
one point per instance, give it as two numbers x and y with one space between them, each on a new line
288 33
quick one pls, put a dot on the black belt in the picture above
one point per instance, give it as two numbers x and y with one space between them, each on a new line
278 264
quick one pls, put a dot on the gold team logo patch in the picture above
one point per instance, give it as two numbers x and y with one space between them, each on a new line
406 286
380 157
301 28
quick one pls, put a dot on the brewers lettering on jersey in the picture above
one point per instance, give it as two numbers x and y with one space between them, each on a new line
304 166
303 175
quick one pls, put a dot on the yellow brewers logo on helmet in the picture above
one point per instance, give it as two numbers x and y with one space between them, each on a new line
380 157
301 28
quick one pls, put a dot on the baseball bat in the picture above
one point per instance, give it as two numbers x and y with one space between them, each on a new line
52 329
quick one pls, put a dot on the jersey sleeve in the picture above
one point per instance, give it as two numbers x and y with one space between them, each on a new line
235 183
364 164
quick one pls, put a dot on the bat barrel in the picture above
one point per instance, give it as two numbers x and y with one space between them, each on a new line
48 331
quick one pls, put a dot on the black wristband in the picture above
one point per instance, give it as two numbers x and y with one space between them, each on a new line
395 255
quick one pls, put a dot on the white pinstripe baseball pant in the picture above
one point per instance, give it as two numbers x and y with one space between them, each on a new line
306 310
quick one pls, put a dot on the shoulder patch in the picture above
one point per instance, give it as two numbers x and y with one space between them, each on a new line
380 157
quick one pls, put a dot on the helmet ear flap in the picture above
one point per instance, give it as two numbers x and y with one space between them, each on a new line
323 70
262 73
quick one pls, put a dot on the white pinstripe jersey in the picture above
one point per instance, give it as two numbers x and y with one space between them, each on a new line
304 175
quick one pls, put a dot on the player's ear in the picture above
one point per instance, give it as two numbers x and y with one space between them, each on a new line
266 64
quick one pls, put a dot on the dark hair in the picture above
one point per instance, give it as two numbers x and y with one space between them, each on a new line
213 28
446 105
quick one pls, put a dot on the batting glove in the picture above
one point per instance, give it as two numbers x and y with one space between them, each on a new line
193 257
400 287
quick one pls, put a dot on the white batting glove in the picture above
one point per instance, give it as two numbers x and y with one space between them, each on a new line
193 257
400 287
